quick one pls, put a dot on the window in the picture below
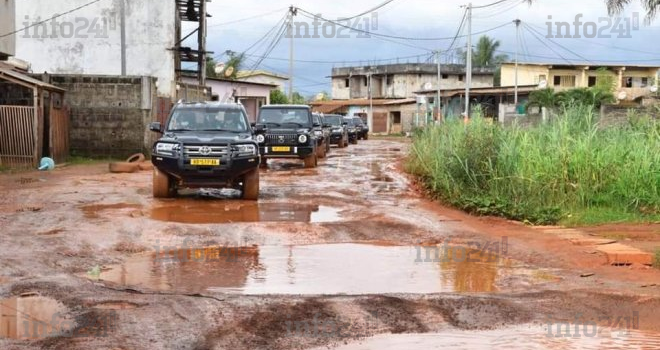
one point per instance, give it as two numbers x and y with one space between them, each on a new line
347 83
628 82
390 79
645 82
445 76
366 81
556 80
592 81
564 80
460 78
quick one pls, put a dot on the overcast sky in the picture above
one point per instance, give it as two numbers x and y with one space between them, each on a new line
239 24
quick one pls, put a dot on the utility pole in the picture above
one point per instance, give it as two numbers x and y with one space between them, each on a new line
292 12
468 69
201 38
517 22
437 97
370 117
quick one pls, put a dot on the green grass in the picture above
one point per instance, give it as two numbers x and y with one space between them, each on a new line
569 171
656 258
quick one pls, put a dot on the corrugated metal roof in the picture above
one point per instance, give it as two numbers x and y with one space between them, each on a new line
28 80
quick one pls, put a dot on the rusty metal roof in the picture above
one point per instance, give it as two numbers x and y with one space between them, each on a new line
25 80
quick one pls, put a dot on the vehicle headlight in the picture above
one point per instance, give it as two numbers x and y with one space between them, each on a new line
260 138
302 138
352 130
247 150
318 133
168 149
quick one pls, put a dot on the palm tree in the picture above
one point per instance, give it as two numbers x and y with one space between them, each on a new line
484 54
543 98
615 7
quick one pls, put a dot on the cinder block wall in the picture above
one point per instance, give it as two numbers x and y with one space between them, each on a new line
109 115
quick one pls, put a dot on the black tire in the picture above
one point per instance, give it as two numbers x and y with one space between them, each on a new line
251 186
162 185
354 141
311 161
366 137
323 149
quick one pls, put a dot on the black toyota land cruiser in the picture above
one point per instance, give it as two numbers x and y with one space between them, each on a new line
287 131
339 130
205 145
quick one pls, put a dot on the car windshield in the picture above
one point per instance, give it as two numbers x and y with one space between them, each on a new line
358 121
284 116
349 121
208 119
333 120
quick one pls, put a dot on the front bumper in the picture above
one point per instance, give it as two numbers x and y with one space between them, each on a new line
230 170
336 138
301 151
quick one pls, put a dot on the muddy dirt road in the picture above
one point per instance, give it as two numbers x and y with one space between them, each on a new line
349 256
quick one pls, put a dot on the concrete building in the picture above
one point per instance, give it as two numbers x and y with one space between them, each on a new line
7 25
398 81
251 95
109 38
633 80
263 77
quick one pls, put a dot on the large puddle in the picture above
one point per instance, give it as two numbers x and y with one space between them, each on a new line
520 337
32 317
221 212
314 269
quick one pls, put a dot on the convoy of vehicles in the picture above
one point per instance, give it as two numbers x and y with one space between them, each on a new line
213 145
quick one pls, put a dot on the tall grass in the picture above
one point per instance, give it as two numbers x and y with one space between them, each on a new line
545 173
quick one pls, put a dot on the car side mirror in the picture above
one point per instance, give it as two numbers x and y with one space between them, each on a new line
259 127
253 125
156 127
344 124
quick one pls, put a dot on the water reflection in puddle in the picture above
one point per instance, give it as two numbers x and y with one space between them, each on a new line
314 269
219 212
32 317
520 337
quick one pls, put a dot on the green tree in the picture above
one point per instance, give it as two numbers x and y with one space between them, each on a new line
484 53
235 62
605 81
277 97
615 7
298 99
542 98
210 67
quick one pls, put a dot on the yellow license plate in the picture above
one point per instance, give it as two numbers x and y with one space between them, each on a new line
281 149
205 162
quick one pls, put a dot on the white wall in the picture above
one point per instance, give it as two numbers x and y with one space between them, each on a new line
7 44
150 31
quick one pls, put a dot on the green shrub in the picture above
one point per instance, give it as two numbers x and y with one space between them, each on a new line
544 173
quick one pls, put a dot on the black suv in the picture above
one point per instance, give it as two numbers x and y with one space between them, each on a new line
352 127
338 130
287 131
205 145
323 133
362 128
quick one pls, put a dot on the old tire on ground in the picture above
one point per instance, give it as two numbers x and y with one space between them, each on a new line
251 185
136 158
146 166
162 185
311 161
122 167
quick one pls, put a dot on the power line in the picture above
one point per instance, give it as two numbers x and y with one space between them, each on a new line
310 15
50 19
546 45
556 43
369 11
247 18
489 5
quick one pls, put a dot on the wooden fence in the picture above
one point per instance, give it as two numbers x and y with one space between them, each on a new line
59 134
18 137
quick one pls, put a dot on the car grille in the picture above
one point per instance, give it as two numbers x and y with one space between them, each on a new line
198 151
282 139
